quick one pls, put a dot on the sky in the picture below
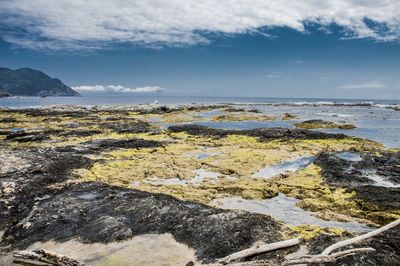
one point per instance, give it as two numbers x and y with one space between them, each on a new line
258 48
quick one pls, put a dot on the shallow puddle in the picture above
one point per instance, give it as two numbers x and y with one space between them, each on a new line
284 208
209 114
149 249
349 156
201 156
281 168
379 180
200 176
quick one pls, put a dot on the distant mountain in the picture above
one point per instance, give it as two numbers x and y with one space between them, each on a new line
31 82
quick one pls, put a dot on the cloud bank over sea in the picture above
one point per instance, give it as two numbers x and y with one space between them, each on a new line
118 89
77 24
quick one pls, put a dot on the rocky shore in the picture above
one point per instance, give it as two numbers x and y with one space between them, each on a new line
108 175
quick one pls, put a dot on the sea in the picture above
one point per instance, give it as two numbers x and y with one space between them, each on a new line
377 120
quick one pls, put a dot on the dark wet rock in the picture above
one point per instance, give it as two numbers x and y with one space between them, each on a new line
102 144
43 135
25 175
387 247
232 109
289 116
264 134
353 176
386 198
80 133
4 132
97 212
55 112
23 136
162 109
342 172
8 120
38 205
129 126
318 123
396 108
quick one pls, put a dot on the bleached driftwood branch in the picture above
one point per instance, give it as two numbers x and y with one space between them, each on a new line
258 250
45 256
325 258
326 255
360 238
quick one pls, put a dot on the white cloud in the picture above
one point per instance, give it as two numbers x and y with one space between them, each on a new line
272 76
93 24
367 85
118 88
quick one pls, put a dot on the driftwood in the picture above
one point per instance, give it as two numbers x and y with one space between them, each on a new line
326 255
46 257
360 238
325 258
258 250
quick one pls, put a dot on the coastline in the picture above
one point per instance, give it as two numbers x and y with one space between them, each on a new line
111 174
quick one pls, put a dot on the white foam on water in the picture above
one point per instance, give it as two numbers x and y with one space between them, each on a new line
283 167
284 208
335 114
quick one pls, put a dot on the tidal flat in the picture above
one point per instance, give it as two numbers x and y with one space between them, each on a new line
190 183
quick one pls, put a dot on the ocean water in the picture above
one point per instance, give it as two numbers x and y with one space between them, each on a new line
375 119
124 99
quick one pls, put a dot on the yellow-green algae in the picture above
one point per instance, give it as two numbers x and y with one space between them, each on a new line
331 203
236 158
307 232
315 124
242 117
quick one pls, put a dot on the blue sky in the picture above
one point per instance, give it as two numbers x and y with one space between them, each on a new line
266 54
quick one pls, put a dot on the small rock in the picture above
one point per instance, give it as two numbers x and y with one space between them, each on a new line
27 225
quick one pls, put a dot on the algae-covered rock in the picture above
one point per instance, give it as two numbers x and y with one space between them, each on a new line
374 179
106 174
317 123
242 117
263 134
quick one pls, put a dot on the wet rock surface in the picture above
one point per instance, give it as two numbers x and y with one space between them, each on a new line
353 175
264 134
29 178
100 213
339 171
103 144
387 246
